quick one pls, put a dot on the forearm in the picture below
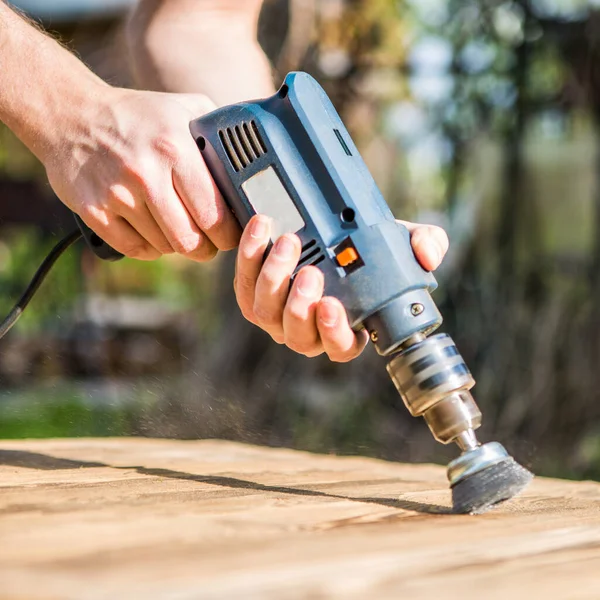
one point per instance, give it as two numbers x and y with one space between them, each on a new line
206 46
44 89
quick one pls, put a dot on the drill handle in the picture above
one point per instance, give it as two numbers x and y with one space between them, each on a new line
96 244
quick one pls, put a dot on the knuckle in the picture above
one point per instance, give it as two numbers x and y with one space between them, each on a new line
141 183
154 197
244 284
231 242
185 244
249 253
270 277
205 253
418 234
341 357
266 317
165 248
302 347
297 312
215 218
223 229
195 246
139 251
166 147
93 215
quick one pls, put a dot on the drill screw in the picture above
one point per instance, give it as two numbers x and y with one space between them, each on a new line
374 337
416 309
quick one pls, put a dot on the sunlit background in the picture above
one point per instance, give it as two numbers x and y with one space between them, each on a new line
482 116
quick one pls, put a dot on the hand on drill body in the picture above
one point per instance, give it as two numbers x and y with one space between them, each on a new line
301 317
124 160
134 174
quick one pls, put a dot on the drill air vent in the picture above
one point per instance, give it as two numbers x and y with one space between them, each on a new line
311 255
243 144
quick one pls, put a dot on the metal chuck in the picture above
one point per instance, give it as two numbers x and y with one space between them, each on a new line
434 382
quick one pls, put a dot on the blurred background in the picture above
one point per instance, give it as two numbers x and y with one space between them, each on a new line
482 116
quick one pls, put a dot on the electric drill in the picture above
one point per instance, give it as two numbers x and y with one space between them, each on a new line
291 158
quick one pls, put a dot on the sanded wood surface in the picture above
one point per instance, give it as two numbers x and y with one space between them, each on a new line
140 518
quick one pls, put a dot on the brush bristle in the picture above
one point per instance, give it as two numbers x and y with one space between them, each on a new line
485 489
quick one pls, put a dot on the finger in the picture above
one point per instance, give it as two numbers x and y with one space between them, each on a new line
273 284
177 225
147 227
253 244
299 316
339 341
429 243
201 197
119 234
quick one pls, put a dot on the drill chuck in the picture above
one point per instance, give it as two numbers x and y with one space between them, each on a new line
434 382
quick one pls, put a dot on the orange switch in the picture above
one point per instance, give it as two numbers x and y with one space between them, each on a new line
347 256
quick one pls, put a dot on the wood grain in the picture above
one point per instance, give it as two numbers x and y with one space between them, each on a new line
140 518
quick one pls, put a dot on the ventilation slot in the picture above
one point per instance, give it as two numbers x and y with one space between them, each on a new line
308 245
311 255
243 144
318 260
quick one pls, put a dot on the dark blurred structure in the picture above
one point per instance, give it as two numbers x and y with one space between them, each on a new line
481 115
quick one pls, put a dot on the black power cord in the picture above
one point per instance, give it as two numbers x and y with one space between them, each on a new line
36 281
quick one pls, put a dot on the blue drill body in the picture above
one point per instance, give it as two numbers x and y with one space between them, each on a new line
290 157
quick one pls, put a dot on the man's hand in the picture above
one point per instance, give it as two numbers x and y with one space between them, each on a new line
300 317
124 160
132 171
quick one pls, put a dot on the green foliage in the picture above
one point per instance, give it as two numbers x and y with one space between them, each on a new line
15 160
21 252
347 427
70 419
42 413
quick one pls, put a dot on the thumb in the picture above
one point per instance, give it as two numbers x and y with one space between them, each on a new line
197 104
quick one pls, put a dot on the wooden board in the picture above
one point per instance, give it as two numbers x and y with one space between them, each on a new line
140 518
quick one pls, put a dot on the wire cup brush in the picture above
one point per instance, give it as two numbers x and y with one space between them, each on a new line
483 477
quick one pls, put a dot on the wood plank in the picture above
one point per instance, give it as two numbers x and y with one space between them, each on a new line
141 518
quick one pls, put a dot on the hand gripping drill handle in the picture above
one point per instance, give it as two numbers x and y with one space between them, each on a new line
98 246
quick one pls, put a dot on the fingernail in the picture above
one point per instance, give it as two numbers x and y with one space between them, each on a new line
308 284
284 248
329 314
259 228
